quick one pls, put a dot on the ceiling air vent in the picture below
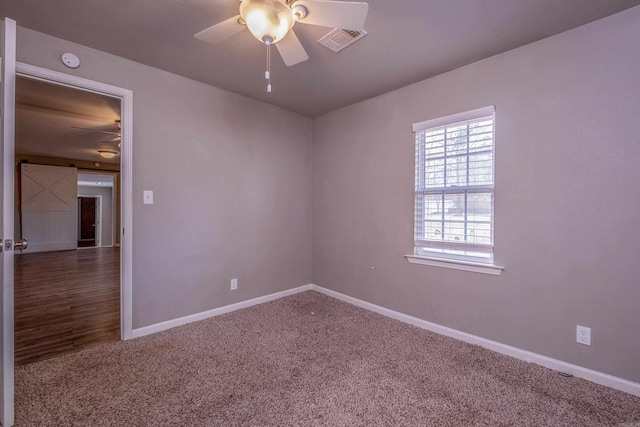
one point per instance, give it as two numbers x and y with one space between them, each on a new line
338 39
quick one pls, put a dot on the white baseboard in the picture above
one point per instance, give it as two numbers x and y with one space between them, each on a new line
158 327
548 362
50 247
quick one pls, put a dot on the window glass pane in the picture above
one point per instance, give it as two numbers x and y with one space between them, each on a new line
434 173
434 144
453 231
433 206
482 127
432 230
457 132
454 204
481 169
456 145
479 204
456 170
480 144
479 233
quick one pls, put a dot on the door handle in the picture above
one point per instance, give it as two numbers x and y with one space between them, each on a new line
21 244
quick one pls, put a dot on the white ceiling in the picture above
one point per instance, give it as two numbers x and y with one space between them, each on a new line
408 41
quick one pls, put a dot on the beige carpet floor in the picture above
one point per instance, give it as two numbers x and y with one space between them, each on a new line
307 360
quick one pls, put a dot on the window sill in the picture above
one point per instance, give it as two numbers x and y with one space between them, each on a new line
474 267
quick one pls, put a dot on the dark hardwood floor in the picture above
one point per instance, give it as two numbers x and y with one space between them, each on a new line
65 301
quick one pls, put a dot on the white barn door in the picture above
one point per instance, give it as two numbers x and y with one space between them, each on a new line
49 207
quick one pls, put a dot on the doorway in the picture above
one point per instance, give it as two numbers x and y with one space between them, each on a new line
65 281
97 214
89 221
116 257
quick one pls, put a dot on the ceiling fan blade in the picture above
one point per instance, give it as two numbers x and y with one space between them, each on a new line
291 50
221 31
347 15
97 131
112 140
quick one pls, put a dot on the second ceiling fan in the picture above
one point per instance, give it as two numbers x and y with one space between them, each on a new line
271 22
116 134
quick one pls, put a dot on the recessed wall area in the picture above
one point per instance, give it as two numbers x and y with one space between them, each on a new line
96 191
61 131
67 280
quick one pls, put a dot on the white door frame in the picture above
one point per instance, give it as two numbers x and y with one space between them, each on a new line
8 81
126 174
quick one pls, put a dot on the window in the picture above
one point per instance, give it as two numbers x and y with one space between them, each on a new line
454 187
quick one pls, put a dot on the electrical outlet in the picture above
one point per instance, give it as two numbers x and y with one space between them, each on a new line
234 284
583 335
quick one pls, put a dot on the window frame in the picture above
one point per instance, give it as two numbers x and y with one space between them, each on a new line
460 255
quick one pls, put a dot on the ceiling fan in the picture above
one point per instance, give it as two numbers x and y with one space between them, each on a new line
115 139
271 22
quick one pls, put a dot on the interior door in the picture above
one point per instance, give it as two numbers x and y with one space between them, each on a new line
87 208
7 112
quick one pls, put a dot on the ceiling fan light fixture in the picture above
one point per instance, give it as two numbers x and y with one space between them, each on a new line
272 21
268 20
107 154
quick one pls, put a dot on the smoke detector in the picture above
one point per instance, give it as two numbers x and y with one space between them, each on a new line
338 39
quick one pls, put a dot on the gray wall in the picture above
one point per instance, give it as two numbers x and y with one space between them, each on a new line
231 180
106 208
567 202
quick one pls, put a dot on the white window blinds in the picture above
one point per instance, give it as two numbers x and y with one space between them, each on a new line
454 186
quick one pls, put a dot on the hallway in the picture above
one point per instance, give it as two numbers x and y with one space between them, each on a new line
65 301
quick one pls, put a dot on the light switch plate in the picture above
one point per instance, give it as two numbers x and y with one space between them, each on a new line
148 197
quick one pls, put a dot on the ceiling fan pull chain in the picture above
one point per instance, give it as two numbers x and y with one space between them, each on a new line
267 74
